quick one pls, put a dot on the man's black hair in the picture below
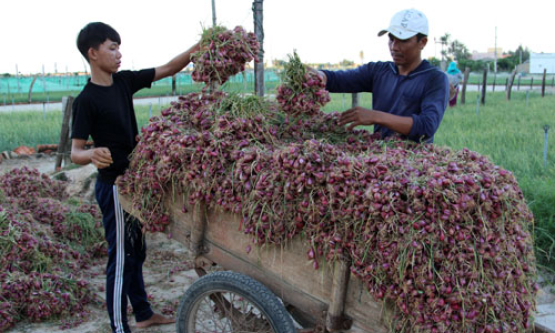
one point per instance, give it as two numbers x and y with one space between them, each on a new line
419 36
94 34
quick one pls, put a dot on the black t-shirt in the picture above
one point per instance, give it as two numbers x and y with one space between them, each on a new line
107 115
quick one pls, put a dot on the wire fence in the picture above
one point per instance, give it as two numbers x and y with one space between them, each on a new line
52 87
17 85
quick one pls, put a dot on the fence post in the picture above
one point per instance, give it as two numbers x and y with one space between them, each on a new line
465 81
543 81
484 86
31 87
173 85
518 83
494 78
355 100
510 84
546 129
64 148
532 83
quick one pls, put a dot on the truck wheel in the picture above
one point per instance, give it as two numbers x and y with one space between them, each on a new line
231 302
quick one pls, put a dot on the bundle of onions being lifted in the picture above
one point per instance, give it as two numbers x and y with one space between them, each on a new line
302 91
223 53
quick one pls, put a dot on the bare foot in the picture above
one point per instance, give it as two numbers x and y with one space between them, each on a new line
155 319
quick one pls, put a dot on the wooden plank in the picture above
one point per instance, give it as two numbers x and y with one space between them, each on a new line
284 269
287 270
335 319
290 294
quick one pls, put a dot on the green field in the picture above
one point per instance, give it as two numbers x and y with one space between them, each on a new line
510 133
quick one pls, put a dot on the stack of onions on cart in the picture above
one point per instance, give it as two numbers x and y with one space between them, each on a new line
440 234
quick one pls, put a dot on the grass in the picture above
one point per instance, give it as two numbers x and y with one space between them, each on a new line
510 133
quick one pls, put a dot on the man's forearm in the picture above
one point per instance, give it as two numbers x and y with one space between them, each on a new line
398 124
80 156
176 64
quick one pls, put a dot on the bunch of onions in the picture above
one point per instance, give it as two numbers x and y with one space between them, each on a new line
223 53
45 245
302 91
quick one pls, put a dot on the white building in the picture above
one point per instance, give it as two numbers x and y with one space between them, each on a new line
541 61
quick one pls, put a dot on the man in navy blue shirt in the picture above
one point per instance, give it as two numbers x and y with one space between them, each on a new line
409 95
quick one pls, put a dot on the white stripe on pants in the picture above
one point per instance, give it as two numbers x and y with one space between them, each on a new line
120 260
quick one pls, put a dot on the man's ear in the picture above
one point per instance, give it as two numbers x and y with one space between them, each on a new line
423 42
91 53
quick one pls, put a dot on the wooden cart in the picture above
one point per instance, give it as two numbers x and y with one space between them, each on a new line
329 299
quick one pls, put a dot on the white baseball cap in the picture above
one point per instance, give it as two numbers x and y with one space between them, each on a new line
407 23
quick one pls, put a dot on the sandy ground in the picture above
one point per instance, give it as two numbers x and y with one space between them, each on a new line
168 269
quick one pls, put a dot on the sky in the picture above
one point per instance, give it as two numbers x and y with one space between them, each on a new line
39 34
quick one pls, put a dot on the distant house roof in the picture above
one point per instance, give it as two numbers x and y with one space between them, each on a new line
490 55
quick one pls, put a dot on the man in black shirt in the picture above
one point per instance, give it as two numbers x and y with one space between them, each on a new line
104 111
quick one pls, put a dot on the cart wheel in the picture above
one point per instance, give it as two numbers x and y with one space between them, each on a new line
231 302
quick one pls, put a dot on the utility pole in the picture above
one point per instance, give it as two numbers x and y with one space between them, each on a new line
443 42
495 53
259 32
213 12
213 85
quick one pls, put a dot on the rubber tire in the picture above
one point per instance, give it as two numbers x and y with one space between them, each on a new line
250 289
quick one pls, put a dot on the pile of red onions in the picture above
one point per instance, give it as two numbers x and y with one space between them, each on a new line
223 53
442 234
302 91
45 244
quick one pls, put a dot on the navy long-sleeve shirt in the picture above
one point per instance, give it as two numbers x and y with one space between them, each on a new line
423 94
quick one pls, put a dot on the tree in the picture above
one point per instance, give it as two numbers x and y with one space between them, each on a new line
434 61
277 63
513 58
455 50
346 63
458 51
521 54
